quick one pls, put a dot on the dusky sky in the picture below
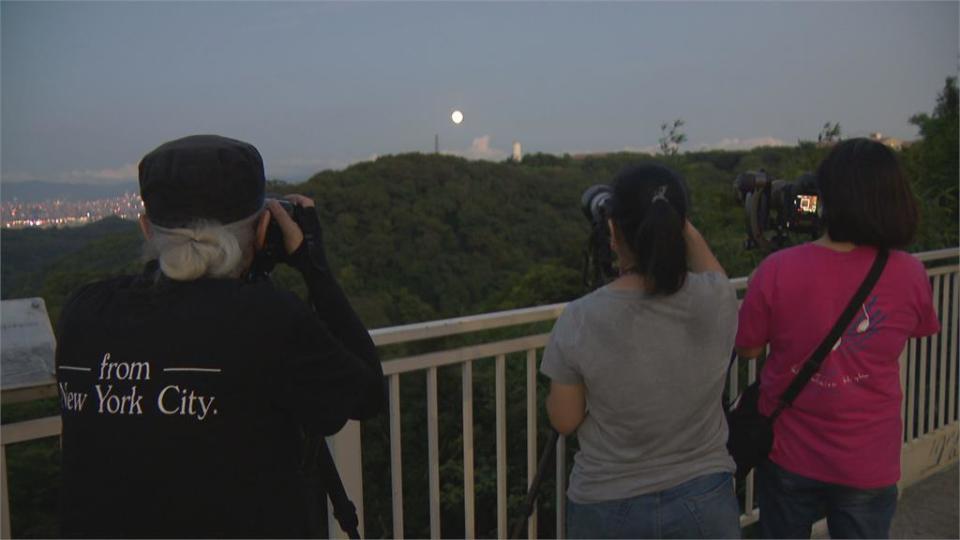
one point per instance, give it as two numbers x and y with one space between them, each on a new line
88 88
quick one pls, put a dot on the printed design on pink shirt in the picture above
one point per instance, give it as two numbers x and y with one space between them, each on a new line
860 331
864 326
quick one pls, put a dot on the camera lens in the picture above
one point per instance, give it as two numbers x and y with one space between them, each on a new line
595 203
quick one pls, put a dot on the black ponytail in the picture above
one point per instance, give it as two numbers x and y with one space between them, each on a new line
650 207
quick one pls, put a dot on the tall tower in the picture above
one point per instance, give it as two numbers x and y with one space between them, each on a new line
517 151
436 143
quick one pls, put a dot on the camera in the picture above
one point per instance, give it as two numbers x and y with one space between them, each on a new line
273 250
273 245
596 203
775 208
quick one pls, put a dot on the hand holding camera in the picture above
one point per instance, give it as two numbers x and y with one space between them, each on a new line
282 214
293 236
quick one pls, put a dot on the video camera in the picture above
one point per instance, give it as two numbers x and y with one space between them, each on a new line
775 208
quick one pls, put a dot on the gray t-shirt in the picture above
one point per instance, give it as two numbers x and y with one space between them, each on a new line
654 370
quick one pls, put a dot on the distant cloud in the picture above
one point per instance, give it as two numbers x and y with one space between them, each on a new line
480 149
726 143
652 149
123 173
109 175
734 143
18 176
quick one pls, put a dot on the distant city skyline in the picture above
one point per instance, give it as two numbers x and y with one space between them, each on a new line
89 87
66 213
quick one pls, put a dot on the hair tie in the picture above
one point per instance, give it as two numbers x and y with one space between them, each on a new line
660 195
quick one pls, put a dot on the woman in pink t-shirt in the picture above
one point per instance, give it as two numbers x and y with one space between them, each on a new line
836 451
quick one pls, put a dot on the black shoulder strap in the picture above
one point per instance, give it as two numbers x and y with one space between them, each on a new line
812 365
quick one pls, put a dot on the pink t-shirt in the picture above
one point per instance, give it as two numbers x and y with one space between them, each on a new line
844 427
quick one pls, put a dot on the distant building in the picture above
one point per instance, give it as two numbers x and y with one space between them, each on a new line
517 151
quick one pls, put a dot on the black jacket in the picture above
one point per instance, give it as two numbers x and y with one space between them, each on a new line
185 404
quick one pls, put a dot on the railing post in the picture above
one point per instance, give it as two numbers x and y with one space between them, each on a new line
902 361
532 434
561 462
954 347
396 465
943 351
469 503
433 452
500 394
911 389
922 391
5 504
345 448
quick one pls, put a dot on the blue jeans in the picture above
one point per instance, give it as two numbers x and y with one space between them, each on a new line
790 504
704 507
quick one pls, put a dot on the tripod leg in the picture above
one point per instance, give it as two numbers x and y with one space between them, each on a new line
530 501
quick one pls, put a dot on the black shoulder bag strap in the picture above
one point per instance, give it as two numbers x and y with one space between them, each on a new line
812 365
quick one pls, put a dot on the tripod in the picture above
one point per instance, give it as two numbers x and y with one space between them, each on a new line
528 504
597 270
321 472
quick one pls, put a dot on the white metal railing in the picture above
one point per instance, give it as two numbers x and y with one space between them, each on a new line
929 373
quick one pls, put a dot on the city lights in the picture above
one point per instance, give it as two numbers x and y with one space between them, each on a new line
60 213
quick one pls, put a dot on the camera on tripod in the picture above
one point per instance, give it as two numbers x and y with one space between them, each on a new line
775 208
597 205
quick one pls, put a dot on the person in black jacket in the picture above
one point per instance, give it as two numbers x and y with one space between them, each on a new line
187 391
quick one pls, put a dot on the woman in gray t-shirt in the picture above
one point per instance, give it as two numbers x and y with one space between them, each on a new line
637 370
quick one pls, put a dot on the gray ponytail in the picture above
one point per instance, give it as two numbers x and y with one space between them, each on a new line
204 249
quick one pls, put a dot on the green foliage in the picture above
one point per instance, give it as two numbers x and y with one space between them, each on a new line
545 283
29 253
34 483
671 137
933 165
419 236
830 133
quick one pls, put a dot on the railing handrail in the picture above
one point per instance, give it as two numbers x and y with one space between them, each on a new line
945 253
499 319
462 325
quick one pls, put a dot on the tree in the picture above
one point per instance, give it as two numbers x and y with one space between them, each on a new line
830 133
933 164
671 137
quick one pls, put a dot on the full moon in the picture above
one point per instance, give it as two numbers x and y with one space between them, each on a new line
457 117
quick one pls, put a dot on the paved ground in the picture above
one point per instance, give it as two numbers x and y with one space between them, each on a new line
931 508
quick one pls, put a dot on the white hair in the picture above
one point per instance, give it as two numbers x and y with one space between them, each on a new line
203 249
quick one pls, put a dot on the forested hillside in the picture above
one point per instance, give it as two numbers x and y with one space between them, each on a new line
415 237
51 262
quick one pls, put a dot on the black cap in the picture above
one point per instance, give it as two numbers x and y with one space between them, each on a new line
201 177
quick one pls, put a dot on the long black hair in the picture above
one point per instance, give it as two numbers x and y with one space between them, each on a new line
866 197
650 210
